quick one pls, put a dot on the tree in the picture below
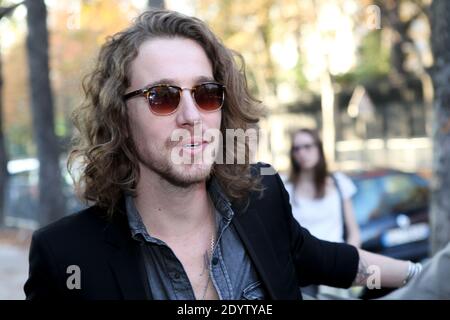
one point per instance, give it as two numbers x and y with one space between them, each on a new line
403 44
156 4
51 198
4 11
3 155
440 200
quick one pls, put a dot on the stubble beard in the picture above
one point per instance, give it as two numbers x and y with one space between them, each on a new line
178 175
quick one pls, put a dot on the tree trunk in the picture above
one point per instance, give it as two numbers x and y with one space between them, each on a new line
4 12
440 199
3 155
51 198
156 4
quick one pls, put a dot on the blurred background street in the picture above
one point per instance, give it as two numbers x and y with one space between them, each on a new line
14 246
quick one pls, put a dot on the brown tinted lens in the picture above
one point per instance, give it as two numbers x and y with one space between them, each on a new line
164 99
209 96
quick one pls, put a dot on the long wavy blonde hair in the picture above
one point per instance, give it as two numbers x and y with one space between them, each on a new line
105 156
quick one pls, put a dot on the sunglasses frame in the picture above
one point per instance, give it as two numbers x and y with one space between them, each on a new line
146 91
306 146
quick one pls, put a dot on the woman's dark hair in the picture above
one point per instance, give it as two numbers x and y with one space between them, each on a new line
320 170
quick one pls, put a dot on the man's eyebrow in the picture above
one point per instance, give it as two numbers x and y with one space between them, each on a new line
160 81
174 82
205 79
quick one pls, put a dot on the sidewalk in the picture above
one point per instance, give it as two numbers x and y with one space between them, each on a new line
14 246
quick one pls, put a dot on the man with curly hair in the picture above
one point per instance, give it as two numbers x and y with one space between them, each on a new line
167 219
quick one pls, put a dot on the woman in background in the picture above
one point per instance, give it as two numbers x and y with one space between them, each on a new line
321 202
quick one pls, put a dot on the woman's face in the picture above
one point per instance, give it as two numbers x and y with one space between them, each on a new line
306 153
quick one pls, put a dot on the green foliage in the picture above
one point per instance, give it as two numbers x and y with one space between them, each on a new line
300 77
373 61
19 141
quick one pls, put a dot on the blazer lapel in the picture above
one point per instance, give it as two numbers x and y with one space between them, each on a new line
126 260
259 248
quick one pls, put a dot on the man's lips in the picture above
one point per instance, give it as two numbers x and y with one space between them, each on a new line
193 142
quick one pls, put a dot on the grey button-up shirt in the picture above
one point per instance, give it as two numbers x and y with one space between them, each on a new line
232 272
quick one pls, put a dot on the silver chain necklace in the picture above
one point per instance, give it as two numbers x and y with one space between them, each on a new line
207 267
208 258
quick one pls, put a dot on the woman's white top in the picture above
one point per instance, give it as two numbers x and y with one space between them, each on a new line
322 217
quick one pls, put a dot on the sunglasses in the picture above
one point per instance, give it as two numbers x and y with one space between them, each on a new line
307 147
164 99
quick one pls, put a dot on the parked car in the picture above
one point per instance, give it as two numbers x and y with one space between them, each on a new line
21 203
392 210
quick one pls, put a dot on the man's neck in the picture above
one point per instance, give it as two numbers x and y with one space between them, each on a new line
170 211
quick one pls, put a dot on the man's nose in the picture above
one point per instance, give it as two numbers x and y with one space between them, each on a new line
189 113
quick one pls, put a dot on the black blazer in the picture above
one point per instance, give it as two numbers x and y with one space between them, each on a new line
284 254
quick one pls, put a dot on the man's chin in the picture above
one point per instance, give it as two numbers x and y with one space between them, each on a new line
187 175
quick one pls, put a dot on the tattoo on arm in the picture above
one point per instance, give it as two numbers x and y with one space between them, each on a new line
205 263
363 273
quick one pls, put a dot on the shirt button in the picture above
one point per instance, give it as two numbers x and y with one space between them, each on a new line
176 276
215 261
